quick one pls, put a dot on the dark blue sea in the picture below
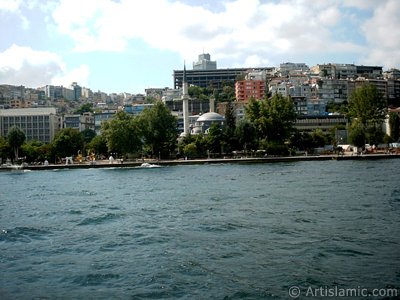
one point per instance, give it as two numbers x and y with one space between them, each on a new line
213 231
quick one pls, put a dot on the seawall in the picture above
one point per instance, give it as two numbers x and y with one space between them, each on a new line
132 164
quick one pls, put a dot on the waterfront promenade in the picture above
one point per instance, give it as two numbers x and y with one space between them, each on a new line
138 163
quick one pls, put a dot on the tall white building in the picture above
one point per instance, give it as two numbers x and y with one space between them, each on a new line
205 63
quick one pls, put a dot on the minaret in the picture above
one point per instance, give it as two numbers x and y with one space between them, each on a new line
185 102
212 101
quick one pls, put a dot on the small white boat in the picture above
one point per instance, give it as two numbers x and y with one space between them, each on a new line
149 166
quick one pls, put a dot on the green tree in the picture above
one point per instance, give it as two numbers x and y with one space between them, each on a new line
122 133
190 150
318 137
230 126
367 105
15 138
97 145
5 149
227 93
387 139
253 114
302 141
198 92
32 151
67 142
159 129
88 134
341 108
245 133
374 135
193 146
357 134
394 125
273 118
150 99
214 138
84 108
277 118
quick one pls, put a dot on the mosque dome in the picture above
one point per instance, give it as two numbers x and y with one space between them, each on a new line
210 116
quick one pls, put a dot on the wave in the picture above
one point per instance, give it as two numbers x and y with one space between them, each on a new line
22 234
95 279
100 219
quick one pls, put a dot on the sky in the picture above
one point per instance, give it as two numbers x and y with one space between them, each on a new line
129 45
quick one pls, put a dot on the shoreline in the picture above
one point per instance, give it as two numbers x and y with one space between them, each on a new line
132 164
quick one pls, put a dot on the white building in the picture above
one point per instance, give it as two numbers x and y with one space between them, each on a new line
205 63
38 124
80 122
293 68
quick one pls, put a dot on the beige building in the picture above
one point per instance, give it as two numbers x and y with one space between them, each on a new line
38 124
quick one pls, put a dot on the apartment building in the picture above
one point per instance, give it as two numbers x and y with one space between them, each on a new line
289 68
246 89
333 90
380 84
80 122
335 71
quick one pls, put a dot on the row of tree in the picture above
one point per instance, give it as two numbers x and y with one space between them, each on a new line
153 133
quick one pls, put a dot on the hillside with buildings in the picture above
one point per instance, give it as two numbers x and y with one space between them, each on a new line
317 92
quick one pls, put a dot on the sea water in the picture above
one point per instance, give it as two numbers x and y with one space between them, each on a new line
223 231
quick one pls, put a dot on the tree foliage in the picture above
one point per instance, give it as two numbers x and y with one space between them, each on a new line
32 151
159 129
367 105
273 118
122 133
15 137
97 145
230 139
214 138
5 149
245 133
199 93
394 125
341 108
357 134
84 108
68 142
88 135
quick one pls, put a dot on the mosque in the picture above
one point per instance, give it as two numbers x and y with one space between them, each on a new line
204 121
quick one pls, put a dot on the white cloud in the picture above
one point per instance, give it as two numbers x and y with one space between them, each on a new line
79 74
238 33
14 7
383 36
244 29
23 65
10 5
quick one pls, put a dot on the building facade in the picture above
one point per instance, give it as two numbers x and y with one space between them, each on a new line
208 78
325 123
80 122
246 89
205 63
38 124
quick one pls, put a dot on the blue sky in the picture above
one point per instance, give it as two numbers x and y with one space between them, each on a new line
129 45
